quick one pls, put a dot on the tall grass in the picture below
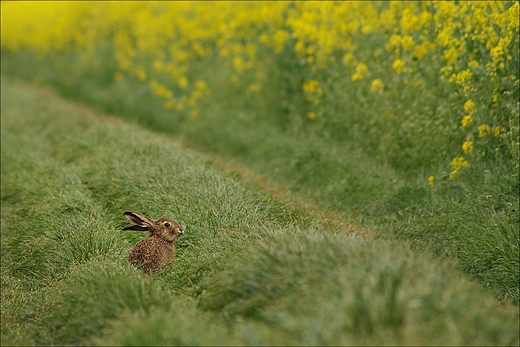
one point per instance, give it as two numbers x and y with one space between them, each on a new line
251 269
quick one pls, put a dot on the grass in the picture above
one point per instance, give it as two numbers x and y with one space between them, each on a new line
473 218
253 268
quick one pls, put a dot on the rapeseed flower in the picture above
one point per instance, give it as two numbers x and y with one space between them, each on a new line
182 82
158 65
451 55
473 64
312 86
483 130
361 72
462 79
420 51
498 129
470 107
312 91
467 147
169 105
377 86
348 59
200 85
431 181
398 65
456 165
395 40
466 120
407 42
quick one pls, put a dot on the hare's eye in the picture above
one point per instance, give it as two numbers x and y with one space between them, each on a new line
166 224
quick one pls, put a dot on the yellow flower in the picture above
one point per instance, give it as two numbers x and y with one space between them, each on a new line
238 64
420 51
170 104
462 78
407 42
483 130
451 55
312 91
311 115
348 59
467 147
398 65
456 165
409 22
279 39
466 120
431 181
312 86
158 65
361 71
394 40
470 107
497 52
377 86
183 82
498 129
161 91
200 85
513 15
473 64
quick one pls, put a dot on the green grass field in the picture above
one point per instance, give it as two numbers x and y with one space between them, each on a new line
274 251
347 172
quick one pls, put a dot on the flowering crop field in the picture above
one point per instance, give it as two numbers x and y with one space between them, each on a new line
423 81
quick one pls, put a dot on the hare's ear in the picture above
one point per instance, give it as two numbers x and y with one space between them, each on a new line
140 222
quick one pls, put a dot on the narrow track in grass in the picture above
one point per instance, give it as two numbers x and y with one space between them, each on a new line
87 166
332 218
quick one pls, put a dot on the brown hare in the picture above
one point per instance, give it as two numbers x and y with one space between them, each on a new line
157 249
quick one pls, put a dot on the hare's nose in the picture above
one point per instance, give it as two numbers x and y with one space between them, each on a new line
181 231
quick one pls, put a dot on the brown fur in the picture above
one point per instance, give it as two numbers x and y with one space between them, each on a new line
157 249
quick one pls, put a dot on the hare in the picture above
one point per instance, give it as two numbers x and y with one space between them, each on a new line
157 249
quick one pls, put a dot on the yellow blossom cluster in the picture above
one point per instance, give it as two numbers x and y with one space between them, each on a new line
167 36
377 86
470 108
456 165
468 47
312 90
